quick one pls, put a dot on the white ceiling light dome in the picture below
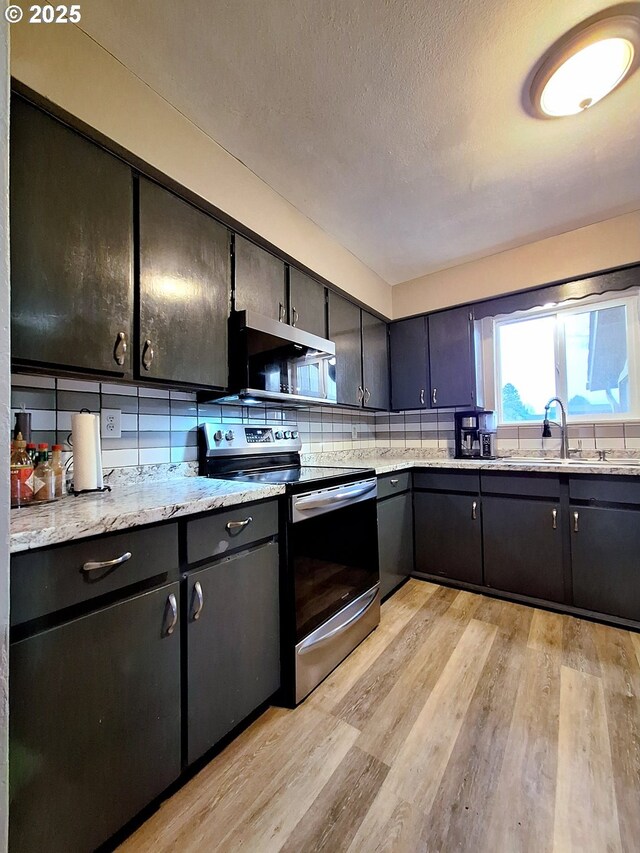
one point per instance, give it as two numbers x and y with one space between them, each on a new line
586 65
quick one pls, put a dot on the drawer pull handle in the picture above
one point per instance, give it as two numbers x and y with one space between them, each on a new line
198 600
554 517
393 482
576 517
172 604
474 510
230 526
107 564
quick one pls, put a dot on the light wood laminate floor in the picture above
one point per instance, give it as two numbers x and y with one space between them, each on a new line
462 723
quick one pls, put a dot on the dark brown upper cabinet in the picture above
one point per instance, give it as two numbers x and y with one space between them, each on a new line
345 332
409 356
307 303
185 284
71 248
260 281
375 362
452 358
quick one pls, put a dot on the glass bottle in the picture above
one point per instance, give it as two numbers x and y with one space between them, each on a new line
21 473
58 469
44 481
32 450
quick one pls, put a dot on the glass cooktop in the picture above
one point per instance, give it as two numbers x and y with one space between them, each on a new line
303 474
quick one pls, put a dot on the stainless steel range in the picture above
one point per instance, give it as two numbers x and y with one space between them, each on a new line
330 590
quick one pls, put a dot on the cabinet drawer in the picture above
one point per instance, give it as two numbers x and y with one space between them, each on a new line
394 484
622 490
214 535
43 582
448 481
528 485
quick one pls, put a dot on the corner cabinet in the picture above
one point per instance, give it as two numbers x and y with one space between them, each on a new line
185 287
71 248
409 357
112 679
452 358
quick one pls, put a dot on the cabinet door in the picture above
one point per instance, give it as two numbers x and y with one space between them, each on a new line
605 544
344 331
523 547
185 282
94 724
452 359
233 643
395 541
259 281
71 247
308 303
447 536
375 362
409 348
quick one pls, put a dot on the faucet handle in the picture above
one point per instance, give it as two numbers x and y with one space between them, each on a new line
602 455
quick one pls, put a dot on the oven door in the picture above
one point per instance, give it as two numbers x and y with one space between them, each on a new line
333 552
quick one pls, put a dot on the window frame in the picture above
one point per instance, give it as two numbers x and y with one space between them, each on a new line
489 334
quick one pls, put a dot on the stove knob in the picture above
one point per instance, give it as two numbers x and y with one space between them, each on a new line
294 434
279 435
229 436
287 434
218 435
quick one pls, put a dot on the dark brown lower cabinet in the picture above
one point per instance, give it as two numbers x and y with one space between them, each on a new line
94 723
448 536
523 547
605 549
395 541
233 643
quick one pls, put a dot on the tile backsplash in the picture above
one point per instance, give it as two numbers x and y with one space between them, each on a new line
160 426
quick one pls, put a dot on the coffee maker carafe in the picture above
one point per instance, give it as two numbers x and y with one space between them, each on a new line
471 431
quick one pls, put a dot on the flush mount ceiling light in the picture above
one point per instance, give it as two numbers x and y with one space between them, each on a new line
585 65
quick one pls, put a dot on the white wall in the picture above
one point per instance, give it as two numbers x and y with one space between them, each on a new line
5 400
610 243
65 65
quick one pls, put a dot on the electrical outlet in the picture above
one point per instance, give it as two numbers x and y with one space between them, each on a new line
354 432
110 423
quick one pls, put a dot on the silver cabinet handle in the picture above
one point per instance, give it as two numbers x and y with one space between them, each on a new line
237 525
367 395
576 517
393 482
120 349
147 355
281 312
474 510
422 396
198 601
554 519
107 564
172 604
360 393
434 396
294 316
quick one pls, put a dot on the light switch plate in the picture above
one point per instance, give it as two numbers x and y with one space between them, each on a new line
110 423
354 432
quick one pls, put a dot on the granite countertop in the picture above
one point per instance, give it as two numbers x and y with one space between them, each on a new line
396 461
126 506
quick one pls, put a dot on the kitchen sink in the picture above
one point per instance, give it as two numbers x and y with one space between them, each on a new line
535 460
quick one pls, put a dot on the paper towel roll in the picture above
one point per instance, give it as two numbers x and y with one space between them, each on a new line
87 452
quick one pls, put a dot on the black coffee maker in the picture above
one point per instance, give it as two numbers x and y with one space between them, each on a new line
475 435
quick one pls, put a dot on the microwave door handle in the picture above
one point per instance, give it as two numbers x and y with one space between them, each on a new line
313 502
310 645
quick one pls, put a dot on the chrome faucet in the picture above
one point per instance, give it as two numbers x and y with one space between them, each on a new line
546 428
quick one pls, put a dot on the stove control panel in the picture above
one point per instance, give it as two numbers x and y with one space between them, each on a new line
222 439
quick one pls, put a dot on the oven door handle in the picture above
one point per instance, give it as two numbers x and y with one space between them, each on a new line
314 502
312 644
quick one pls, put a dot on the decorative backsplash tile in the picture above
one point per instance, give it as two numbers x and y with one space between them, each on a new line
160 426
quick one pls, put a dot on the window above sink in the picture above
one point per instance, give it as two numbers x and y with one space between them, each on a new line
584 351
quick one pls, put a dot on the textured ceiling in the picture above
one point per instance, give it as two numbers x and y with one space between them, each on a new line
395 126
